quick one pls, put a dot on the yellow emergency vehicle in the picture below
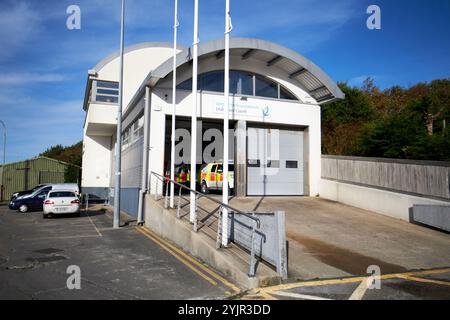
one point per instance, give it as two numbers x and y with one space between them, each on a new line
211 177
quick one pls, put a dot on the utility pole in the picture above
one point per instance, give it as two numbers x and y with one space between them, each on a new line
226 123
4 142
174 104
193 174
116 220
4 158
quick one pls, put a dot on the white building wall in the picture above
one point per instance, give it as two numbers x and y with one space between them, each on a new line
101 119
137 65
96 161
210 106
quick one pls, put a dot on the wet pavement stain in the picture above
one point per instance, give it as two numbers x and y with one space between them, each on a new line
46 259
48 250
343 259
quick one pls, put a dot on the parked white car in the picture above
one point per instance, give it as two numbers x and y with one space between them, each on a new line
61 202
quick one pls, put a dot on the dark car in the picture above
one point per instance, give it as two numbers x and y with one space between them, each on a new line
23 193
31 202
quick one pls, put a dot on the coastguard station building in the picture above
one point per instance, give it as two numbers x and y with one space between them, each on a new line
274 117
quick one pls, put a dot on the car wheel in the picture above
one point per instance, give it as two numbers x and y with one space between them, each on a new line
45 216
204 187
23 208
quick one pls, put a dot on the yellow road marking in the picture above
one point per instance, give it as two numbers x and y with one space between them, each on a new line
267 296
351 280
298 295
193 261
445 283
184 261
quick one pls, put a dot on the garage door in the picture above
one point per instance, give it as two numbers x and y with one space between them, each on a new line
275 162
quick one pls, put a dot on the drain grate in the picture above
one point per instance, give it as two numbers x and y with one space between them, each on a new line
48 250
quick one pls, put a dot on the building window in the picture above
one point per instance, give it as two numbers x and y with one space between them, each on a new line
291 164
265 88
241 83
133 133
285 94
105 92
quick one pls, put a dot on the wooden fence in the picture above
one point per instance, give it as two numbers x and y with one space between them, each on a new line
423 178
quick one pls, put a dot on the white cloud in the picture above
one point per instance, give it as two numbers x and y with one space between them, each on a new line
18 24
25 79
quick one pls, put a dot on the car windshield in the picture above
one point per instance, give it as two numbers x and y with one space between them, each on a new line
43 188
62 194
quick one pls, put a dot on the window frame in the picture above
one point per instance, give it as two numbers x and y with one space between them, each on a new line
279 87
97 85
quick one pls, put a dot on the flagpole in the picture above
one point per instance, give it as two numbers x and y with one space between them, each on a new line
193 173
116 219
225 124
174 104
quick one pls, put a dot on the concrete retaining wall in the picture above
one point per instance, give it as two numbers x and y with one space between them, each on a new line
389 203
164 223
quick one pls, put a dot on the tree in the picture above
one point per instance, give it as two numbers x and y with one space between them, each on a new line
397 122
72 154
342 120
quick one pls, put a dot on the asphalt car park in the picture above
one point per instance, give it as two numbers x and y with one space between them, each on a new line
125 263
431 284
134 263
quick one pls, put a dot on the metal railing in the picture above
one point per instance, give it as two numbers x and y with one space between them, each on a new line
162 181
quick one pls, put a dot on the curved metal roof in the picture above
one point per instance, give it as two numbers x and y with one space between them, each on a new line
318 84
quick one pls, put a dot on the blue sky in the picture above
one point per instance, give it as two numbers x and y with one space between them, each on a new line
43 65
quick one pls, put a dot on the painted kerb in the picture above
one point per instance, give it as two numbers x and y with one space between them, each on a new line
422 178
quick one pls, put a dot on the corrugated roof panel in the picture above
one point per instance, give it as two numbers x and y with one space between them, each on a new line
264 56
289 66
309 81
321 93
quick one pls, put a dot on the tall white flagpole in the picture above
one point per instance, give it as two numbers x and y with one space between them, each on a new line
174 104
116 219
193 173
225 123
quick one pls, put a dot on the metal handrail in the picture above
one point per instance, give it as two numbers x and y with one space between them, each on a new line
254 228
165 179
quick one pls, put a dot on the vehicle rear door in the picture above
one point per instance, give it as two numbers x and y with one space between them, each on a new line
62 200
219 176
212 183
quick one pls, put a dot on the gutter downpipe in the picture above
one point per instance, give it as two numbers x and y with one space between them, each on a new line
145 151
